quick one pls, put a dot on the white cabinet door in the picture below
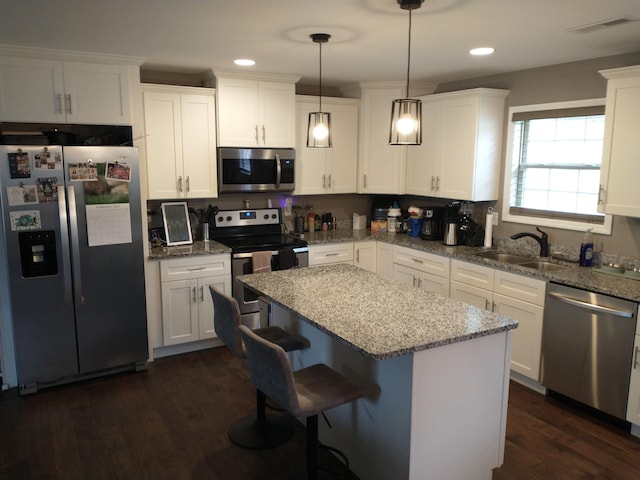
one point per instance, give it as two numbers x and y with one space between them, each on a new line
331 253
43 90
199 145
478 297
327 170
384 259
31 90
418 279
180 142
382 167
461 147
364 255
97 93
620 168
205 303
527 338
255 113
276 114
180 311
633 406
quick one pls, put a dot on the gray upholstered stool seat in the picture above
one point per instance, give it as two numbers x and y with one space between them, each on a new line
260 430
305 392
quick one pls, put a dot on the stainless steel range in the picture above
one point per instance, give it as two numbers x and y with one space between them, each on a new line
256 230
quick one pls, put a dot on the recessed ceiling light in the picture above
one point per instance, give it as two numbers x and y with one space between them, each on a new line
482 51
244 62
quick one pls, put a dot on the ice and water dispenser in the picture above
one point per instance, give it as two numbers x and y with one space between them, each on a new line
38 253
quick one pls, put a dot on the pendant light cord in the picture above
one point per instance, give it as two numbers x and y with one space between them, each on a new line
320 96
409 53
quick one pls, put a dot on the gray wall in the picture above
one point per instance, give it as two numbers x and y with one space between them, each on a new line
557 83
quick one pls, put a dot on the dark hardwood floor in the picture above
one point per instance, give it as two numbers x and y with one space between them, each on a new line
170 423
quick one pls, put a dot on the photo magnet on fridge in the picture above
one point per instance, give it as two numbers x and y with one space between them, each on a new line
47 189
19 164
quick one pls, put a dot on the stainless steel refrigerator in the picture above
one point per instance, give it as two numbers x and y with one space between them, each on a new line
72 234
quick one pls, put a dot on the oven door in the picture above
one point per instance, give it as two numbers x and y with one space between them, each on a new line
252 313
255 169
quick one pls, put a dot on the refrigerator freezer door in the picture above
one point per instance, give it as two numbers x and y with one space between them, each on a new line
105 221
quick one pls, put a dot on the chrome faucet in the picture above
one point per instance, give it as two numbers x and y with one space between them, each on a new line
543 240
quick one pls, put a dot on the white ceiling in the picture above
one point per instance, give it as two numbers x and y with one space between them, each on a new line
369 37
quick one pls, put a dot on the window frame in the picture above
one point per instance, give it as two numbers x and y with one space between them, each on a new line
562 223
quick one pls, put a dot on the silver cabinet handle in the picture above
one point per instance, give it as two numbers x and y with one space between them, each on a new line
194 269
329 180
187 183
324 181
58 107
419 283
601 195
332 254
358 255
193 294
437 183
64 239
202 293
365 180
417 260
635 358
75 245
68 103
180 184
433 181
486 305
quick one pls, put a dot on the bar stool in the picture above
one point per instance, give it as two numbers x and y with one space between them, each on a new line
303 393
257 431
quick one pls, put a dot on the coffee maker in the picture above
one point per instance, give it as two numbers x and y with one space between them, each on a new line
433 226
451 224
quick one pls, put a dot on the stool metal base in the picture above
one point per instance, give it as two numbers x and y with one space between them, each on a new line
249 432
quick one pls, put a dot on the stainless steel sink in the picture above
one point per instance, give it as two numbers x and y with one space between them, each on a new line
504 257
543 266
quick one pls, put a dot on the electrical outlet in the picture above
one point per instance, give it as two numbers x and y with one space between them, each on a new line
495 218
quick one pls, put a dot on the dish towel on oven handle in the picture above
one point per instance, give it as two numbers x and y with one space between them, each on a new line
261 261
287 258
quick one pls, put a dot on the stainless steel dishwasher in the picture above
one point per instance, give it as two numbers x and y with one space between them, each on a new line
587 347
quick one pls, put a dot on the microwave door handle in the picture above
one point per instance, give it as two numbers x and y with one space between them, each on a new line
278 171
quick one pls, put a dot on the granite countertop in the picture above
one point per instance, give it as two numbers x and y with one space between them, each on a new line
379 317
197 248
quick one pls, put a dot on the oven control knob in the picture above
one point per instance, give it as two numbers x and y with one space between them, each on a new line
266 216
229 218
220 218
274 216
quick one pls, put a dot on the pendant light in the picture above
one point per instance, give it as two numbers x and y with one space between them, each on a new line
406 113
319 128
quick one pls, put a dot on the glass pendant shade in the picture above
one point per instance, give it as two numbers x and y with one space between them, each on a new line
406 113
319 130
319 127
406 122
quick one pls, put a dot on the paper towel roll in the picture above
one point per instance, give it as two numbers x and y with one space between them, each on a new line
488 227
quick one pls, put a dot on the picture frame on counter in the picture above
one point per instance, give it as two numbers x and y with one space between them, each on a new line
177 226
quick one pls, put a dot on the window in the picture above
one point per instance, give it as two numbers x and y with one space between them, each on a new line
552 169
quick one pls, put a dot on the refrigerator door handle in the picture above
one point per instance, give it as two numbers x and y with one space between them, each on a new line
75 245
64 239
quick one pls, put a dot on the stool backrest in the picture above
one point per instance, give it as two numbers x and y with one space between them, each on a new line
270 370
226 320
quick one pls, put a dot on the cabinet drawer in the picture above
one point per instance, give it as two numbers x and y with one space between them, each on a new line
517 286
472 274
195 267
423 261
334 253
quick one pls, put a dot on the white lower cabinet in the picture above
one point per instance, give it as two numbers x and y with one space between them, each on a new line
187 308
421 269
384 259
633 406
515 296
331 253
365 254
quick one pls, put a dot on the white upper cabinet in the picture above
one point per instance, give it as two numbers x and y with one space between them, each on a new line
47 86
327 170
620 170
256 112
461 146
382 167
180 142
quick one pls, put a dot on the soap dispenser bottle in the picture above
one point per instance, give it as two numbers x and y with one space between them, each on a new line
586 250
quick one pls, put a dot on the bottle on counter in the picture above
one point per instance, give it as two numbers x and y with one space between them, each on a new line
312 222
586 249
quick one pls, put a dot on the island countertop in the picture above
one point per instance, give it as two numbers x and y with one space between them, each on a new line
380 317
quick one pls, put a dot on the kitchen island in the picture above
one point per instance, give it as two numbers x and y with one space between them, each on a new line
438 370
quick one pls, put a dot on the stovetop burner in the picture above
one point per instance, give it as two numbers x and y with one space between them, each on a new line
253 230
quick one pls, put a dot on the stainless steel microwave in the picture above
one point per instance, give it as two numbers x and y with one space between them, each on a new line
256 169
